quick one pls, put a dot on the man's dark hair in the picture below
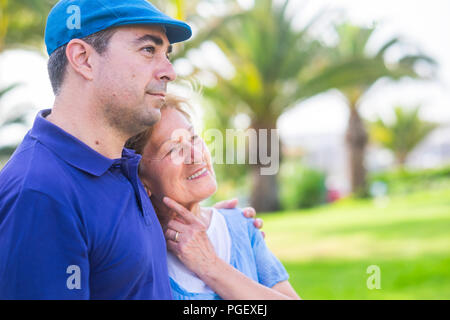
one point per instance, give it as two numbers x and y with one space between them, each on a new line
57 62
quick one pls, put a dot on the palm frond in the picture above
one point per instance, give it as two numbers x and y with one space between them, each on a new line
403 134
7 89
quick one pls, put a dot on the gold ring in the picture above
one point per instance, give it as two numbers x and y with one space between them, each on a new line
176 236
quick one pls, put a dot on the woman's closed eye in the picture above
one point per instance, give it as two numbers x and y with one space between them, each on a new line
177 147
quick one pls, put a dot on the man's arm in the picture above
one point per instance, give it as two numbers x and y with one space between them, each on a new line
44 251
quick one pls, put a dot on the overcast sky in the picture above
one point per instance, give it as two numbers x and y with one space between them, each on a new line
425 23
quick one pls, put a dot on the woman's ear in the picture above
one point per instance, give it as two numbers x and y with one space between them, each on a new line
147 189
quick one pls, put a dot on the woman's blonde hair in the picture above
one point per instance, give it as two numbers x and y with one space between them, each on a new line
138 142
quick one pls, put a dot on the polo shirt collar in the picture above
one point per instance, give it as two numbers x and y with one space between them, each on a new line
72 150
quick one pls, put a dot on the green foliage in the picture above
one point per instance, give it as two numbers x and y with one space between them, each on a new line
22 22
403 134
22 25
273 62
353 69
4 91
301 187
404 181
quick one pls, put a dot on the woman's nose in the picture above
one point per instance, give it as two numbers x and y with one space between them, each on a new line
196 154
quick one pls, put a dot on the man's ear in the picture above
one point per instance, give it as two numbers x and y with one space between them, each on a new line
79 56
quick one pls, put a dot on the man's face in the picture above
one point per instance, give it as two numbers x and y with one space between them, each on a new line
132 76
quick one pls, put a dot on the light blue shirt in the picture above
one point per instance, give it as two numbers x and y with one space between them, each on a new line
249 254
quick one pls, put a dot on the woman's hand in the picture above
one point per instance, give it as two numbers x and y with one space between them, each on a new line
249 212
187 239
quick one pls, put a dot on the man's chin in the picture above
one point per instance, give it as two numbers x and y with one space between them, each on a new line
152 116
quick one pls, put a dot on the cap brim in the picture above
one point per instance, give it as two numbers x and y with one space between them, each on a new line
176 31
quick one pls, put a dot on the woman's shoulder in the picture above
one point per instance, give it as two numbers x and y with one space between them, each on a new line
234 216
237 223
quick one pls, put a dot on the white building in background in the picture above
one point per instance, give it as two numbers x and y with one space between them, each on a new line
327 152
434 151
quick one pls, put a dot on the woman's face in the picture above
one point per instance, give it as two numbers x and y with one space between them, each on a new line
175 161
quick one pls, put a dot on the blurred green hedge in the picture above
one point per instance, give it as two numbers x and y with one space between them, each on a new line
403 181
301 186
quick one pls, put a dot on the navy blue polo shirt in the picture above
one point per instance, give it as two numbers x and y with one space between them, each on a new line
75 224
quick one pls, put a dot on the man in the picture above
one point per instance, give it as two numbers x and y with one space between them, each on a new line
75 221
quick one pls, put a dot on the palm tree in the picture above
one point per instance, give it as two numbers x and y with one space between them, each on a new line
353 72
403 134
275 68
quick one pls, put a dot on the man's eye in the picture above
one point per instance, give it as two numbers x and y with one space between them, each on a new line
150 49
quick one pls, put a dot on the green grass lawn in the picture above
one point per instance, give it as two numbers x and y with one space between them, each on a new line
327 250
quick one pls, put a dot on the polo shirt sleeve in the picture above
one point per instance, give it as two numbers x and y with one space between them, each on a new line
44 250
270 270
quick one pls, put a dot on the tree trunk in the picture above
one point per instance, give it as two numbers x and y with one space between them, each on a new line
401 158
265 192
264 196
356 140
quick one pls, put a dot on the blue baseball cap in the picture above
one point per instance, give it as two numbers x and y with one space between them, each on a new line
76 19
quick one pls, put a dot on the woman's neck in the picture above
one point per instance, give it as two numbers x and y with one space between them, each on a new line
165 214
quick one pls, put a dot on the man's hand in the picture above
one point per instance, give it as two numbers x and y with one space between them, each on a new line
249 212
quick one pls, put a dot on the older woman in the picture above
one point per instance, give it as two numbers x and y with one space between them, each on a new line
213 254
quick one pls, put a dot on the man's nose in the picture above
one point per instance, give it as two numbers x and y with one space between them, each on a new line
166 72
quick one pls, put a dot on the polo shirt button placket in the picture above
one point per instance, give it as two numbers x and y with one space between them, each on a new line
131 174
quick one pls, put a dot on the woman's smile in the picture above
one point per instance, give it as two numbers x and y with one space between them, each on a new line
199 174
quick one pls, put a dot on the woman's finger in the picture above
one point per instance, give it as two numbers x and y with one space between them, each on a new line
258 223
249 212
176 225
172 235
172 246
227 204
184 213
